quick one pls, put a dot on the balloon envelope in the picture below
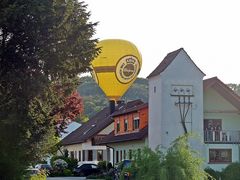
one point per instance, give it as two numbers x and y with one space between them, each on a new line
116 67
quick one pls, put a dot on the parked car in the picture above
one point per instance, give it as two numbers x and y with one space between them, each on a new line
123 164
86 170
48 168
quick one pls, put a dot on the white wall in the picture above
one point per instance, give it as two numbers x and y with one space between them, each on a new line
164 115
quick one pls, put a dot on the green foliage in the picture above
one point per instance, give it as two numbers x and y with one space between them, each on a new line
147 165
72 163
235 87
180 162
231 172
67 172
44 45
94 99
38 177
102 165
214 174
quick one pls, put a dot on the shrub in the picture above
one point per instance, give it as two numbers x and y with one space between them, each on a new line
231 172
67 172
72 163
146 166
109 166
180 162
102 165
60 164
213 174
40 176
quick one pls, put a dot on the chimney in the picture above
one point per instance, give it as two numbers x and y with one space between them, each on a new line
112 106
120 103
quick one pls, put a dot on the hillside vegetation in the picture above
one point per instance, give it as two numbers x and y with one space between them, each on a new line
95 100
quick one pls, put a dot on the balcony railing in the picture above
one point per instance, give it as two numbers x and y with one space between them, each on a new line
221 136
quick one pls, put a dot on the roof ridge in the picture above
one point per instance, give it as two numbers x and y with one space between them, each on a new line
165 62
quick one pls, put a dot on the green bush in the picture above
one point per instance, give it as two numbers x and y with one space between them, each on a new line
102 165
213 174
67 172
180 162
40 176
72 163
231 172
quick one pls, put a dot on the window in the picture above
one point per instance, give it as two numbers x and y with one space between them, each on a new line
125 125
72 154
117 158
90 155
220 155
83 155
99 155
212 129
79 155
135 123
118 126
154 89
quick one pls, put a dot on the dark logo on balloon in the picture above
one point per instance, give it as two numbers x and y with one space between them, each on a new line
127 69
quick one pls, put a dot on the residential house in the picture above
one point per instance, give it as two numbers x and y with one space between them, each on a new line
130 130
180 102
81 143
221 124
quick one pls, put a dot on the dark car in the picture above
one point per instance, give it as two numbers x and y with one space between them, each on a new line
86 170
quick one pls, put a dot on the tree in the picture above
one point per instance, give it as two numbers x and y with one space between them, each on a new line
179 162
43 45
72 107
235 87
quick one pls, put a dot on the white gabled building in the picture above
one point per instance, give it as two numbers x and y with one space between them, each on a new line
181 101
175 95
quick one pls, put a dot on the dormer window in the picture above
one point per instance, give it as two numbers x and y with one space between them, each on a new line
136 122
118 126
125 125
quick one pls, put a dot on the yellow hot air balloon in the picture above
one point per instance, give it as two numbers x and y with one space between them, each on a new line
116 67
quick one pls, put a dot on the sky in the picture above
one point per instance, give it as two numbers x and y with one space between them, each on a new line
208 30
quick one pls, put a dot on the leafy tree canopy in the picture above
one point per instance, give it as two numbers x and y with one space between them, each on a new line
44 46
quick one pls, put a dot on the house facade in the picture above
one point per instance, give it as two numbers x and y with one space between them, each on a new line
81 143
175 100
130 131
180 101
221 124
